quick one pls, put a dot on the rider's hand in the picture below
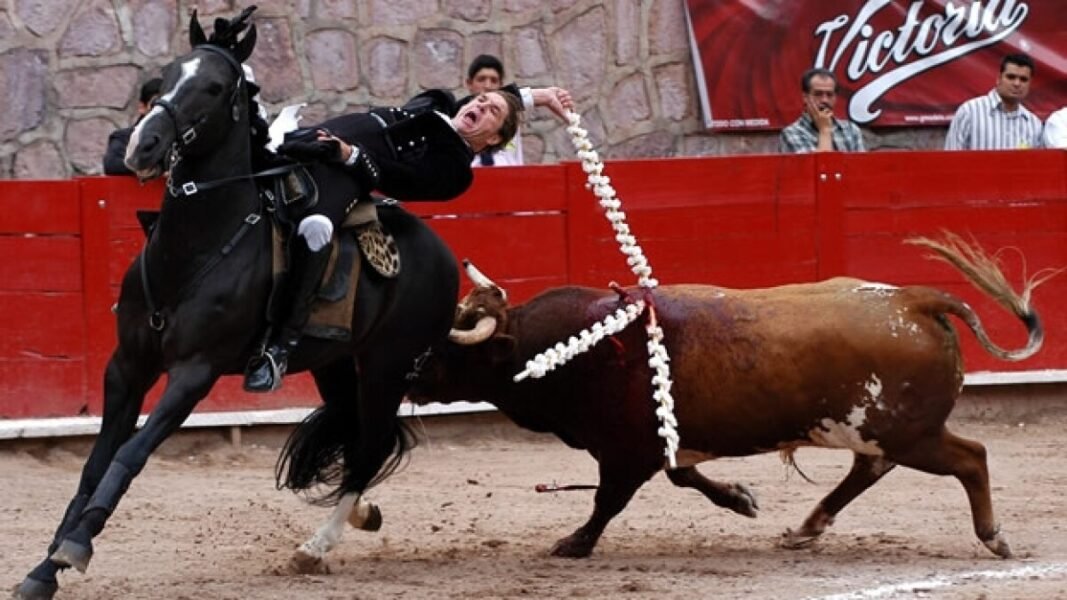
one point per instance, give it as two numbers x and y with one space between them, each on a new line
344 150
556 99
317 146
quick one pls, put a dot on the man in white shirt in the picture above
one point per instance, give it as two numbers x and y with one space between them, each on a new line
998 120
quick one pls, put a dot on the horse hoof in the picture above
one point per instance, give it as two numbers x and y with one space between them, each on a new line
73 554
33 589
569 547
366 517
302 563
367 520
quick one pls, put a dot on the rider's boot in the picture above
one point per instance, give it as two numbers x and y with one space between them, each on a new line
264 372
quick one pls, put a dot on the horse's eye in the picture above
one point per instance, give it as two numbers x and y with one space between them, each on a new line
214 88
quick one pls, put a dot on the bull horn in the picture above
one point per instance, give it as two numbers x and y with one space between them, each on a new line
479 279
481 332
477 276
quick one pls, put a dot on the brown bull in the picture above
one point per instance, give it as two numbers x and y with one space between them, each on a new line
843 363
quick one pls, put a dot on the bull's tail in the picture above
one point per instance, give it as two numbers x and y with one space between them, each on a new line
983 271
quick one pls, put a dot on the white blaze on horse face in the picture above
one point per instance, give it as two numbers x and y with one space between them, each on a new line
189 70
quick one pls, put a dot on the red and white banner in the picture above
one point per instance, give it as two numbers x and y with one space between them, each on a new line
898 62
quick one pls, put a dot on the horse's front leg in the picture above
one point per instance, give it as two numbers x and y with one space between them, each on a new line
186 386
128 377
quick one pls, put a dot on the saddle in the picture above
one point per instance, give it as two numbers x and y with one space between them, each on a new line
294 192
360 234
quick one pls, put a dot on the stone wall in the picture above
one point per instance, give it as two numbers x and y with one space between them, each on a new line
70 69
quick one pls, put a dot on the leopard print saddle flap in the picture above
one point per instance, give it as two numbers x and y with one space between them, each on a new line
375 243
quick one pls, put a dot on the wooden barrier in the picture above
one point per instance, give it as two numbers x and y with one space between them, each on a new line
733 221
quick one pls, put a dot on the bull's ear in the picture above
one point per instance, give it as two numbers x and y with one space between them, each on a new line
196 33
244 47
501 348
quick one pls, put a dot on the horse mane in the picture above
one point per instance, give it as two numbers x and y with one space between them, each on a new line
225 36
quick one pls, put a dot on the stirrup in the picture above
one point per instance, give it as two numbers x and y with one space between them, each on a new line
276 373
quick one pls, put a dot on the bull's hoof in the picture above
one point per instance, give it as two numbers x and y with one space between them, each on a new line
73 554
795 540
369 520
35 589
302 563
572 547
745 502
999 546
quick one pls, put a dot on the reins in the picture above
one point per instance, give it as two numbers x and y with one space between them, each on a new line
155 318
190 188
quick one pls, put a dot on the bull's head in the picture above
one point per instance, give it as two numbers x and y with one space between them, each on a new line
477 348
482 311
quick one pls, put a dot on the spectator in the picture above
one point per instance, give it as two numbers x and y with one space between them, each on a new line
115 156
1055 135
817 130
486 74
998 120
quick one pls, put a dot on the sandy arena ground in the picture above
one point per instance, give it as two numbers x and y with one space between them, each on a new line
462 520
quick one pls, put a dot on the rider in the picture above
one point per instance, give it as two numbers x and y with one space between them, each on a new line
420 151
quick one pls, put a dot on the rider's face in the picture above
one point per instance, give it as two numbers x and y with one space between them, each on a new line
479 120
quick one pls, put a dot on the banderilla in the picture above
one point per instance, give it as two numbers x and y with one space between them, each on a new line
554 487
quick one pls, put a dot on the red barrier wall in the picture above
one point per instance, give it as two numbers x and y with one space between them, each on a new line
733 221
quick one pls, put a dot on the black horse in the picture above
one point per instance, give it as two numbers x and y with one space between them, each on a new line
193 306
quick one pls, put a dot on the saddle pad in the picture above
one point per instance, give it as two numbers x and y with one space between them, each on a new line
379 248
332 312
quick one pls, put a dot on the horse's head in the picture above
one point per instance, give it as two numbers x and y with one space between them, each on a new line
203 96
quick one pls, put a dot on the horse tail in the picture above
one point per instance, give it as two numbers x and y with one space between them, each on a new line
983 271
320 455
313 455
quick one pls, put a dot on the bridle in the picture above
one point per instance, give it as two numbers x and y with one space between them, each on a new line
187 134
186 137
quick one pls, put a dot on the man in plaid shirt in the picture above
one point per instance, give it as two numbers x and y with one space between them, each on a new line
817 130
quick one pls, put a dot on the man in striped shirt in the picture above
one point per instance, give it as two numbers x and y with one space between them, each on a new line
998 120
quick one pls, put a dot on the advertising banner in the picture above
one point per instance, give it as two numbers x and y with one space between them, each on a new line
897 62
